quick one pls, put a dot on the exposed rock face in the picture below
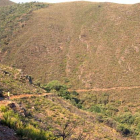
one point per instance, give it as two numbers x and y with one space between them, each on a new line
7 134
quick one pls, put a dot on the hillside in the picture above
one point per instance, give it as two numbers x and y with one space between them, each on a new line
5 3
118 109
48 50
51 117
83 44
15 81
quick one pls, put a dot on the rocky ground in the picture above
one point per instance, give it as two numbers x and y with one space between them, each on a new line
7 134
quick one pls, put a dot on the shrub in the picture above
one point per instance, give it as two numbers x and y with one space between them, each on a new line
104 99
99 118
110 122
123 129
3 108
95 109
126 118
54 85
77 102
1 92
16 122
63 92
75 93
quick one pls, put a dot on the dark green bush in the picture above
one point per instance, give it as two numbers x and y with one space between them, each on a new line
63 92
76 102
123 129
54 85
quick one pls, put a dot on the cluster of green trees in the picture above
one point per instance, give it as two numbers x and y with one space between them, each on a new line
62 91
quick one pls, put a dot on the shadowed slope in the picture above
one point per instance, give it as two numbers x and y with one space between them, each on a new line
86 44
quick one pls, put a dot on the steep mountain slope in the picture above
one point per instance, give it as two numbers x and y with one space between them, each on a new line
5 2
84 44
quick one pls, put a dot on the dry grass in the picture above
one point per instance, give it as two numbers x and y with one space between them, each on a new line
52 115
14 82
89 44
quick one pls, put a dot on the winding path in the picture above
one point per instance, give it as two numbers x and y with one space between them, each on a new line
77 90
5 101
106 89
28 95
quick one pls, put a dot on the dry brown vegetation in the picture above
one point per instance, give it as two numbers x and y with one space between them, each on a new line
82 43
52 113
15 81
93 47
5 3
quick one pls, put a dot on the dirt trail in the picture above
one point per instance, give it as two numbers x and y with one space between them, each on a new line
77 90
106 89
5 101
28 95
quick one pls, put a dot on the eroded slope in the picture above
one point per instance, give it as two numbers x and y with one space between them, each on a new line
84 44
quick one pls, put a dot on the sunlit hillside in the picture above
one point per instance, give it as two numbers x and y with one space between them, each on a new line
72 71
81 43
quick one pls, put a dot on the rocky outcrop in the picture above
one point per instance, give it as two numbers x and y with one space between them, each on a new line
19 109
